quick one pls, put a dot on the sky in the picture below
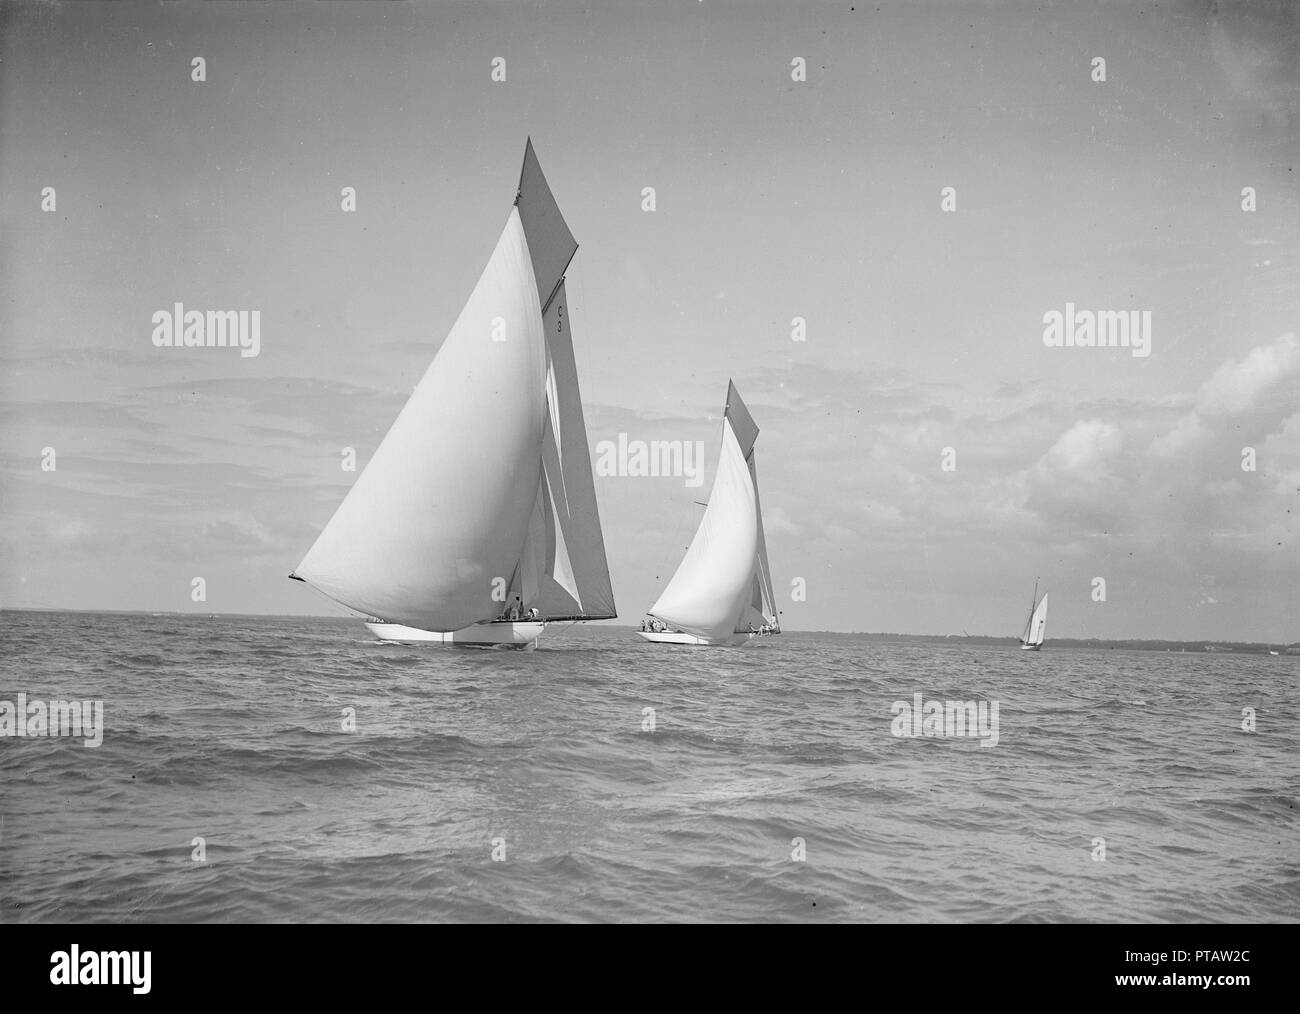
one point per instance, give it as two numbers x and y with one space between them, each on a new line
775 198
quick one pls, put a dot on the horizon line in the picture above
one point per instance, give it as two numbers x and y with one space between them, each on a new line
1013 638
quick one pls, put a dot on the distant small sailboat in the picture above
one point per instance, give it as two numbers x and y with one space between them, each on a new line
722 592
1036 626
475 521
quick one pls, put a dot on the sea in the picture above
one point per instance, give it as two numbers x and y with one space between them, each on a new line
286 769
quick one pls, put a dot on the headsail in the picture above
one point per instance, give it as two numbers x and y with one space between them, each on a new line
763 599
575 583
1037 622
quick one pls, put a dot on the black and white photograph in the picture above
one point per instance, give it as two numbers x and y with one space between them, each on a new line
699 462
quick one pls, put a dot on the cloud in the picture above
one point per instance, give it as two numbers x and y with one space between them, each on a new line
1242 402
1254 46
1188 432
1235 387
1085 450
1077 486
241 532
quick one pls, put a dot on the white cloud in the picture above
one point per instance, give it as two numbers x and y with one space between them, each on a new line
1086 448
1185 434
1235 386
1257 392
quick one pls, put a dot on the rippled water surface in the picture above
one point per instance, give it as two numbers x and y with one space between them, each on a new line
229 729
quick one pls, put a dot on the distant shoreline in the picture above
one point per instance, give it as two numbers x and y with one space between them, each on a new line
1145 644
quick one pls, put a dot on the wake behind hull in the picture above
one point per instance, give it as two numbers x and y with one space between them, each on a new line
479 635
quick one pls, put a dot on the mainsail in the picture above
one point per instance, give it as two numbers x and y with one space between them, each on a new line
762 599
724 584
484 482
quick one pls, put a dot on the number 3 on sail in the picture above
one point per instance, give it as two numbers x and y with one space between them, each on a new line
446 541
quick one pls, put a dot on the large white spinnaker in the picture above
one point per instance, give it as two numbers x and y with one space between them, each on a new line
713 585
442 509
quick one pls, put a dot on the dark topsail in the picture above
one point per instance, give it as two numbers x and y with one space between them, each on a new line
742 423
550 244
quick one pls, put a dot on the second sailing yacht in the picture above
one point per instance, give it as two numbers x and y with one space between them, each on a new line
721 593
1036 626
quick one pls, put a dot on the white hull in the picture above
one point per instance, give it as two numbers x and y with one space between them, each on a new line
1031 647
678 637
479 635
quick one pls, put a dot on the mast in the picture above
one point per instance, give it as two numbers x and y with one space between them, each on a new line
1033 603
